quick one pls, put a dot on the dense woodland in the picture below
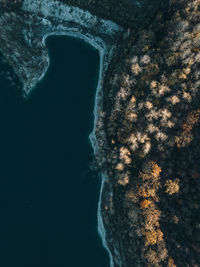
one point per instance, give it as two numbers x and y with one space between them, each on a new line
152 122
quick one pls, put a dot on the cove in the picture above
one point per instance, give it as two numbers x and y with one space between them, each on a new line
48 194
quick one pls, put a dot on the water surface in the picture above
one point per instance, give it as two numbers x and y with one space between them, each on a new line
48 195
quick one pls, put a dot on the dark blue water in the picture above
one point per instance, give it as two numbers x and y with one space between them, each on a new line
48 195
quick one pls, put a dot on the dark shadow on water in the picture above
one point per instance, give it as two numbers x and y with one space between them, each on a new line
48 196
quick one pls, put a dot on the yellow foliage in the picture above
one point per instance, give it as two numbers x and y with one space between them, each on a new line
182 76
136 69
152 217
153 84
187 70
133 99
119 167
172 187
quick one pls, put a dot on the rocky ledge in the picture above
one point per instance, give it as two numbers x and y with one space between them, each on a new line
147 128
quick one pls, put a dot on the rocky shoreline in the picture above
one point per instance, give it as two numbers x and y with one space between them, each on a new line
146 134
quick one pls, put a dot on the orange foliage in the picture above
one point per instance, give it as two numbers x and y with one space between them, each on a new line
143 193
152 217
148 192
145 203
185 137
171 262
192 119
145 176
155 169
153 173
153 236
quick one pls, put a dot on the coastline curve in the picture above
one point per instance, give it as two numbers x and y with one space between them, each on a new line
51 18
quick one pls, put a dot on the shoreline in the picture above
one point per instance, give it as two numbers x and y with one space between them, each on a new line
101 228
98 33
103 65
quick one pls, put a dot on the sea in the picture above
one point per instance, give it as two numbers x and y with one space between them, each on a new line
48 190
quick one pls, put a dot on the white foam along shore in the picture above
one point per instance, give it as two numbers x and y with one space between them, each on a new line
92 137
55 9
102 69
101 228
